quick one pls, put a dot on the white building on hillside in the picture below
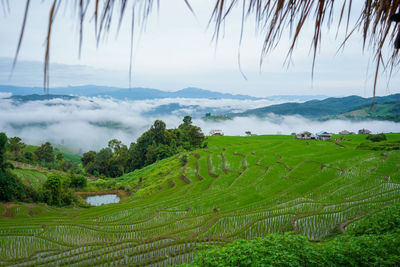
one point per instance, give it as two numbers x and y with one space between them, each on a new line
324 136
216 132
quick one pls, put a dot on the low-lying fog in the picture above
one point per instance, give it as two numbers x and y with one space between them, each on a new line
89 123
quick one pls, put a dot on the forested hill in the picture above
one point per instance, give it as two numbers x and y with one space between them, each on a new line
327 107
137 93
36 97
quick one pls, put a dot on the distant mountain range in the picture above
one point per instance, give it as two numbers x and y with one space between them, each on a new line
36 97
351 107
140 93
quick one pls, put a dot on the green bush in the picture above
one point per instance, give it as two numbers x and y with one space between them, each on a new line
78 181
372 241
383 145
376 137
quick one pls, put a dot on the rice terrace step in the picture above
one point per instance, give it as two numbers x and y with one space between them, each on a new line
240 188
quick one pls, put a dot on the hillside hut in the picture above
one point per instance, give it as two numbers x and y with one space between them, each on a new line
344 132
216 132
324 136
305 135
364 131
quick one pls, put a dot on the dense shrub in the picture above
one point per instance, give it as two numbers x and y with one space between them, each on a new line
372 241
78 181
56 191
376 137
10 187
383 145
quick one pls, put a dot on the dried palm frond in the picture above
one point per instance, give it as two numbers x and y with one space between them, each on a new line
273 18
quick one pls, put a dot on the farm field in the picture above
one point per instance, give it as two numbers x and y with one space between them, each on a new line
236 188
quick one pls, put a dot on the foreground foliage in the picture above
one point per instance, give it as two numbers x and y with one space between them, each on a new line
374 241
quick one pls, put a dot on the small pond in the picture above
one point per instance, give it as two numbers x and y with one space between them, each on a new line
102 199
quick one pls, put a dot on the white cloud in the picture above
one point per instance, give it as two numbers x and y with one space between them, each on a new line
80 122
5 95
287 124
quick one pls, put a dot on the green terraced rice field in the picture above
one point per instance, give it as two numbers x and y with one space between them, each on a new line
30 176
238 187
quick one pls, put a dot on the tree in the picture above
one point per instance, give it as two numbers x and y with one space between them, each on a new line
88 157
101 163
45 153
11 187
28 155
191 134
16 146
56 190
120 154
158 131
78 181
52 190
248 133
187 120
59 156
196 137
115 145
3 142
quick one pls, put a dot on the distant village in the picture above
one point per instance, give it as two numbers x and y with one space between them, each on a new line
305 135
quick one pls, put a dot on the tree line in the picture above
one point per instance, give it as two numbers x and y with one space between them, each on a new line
155 144
44 155
57 190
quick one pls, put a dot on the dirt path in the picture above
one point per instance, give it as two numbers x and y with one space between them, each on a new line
7 212
183 177
237 178
30 166
27 180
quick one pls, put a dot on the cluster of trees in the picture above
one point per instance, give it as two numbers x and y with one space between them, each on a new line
10 187
43 155
58 188
155 144
109 161
374 241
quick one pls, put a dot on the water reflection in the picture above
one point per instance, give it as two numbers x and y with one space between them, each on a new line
102 199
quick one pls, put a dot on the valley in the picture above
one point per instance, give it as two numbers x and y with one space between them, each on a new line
235 188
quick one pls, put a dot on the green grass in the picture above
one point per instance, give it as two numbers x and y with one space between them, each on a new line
30 148
75 158
31 177
68 153
238 187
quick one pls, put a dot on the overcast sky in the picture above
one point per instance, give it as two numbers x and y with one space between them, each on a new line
176 51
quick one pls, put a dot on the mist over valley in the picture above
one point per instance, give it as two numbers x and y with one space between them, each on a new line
85 123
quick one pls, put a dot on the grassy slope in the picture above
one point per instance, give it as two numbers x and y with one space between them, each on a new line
239 187
379 111
31 177
354 107
75 158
